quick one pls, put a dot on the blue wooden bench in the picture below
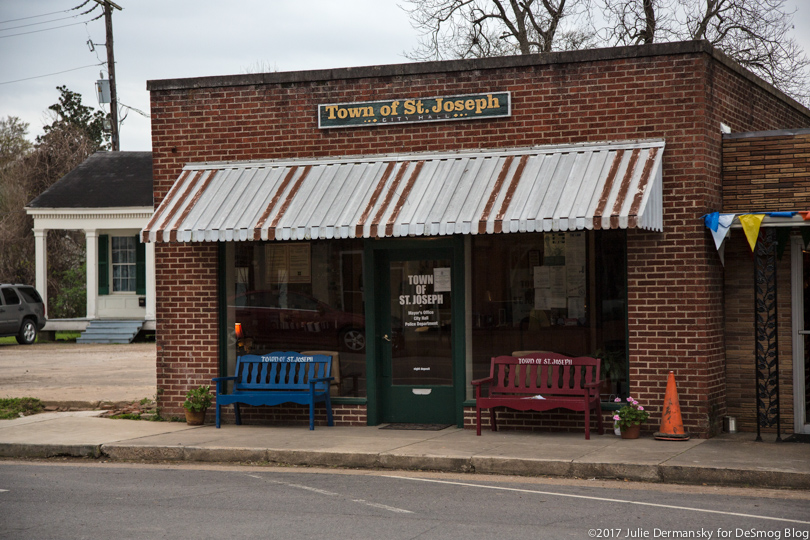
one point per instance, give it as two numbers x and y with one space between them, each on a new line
277 378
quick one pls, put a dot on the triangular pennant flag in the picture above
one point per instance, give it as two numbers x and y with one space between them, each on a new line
751 224
721 251
711 220
805 215
722 227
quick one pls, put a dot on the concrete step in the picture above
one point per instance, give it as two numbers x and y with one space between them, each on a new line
110 331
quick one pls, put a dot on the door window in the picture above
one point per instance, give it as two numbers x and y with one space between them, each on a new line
421 323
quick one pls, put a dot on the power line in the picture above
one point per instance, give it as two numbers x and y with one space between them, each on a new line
134 109
54 28
46 14
35 16
49 21
49 74
36 23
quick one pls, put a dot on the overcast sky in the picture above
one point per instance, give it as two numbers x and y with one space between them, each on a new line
160 39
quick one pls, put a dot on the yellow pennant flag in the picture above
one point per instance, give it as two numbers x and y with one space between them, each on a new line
750 224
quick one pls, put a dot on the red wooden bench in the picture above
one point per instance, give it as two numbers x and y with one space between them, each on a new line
519 382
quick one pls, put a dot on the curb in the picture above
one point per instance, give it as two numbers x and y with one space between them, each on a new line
13 450
653 473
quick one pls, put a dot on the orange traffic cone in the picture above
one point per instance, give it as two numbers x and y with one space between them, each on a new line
671 422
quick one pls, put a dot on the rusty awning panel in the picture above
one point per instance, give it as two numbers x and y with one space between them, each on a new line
556 188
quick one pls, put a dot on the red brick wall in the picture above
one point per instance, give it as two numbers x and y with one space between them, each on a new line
675 282
298 415
187 321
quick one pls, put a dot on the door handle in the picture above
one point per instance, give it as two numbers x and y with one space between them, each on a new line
386 338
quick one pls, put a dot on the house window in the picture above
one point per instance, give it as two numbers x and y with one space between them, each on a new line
124 261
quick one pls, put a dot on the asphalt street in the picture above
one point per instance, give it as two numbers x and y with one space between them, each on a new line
70 500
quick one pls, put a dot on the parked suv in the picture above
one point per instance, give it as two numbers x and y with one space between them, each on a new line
22 313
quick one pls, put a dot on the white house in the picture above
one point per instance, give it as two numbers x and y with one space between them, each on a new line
109 197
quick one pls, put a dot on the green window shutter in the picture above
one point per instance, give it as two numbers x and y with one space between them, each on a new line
103 264
140 266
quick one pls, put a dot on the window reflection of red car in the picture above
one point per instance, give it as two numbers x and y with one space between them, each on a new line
289 319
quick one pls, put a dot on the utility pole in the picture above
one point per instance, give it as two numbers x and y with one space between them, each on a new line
108 5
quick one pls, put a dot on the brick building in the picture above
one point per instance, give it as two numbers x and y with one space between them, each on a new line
768 173
417 219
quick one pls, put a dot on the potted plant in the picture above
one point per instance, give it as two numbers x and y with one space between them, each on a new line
630 417
197 402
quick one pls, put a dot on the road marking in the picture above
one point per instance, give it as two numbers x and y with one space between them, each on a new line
603 499
333 494
3 490
383 506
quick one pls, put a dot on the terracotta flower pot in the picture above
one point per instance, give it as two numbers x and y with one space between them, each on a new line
631 432
195 418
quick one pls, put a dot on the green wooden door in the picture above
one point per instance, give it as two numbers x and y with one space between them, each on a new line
417 367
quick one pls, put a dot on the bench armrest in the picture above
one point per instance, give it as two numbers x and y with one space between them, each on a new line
593 384
478 384
221 383
313 382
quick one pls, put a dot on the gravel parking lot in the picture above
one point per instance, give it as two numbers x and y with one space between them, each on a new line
70 372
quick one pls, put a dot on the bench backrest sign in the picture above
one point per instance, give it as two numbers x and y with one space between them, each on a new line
288 358
547 361
412 110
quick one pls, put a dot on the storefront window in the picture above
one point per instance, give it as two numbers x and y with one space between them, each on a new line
299 296
556 292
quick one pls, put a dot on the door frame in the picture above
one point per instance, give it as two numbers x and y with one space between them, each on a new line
371 281
801 424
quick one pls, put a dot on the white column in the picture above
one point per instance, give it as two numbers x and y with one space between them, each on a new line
91 242
151 289
41 264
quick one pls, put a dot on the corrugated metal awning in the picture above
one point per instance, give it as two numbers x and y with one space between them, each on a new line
555 188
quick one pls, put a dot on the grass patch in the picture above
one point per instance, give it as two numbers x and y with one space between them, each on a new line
11 408
126 416
65 336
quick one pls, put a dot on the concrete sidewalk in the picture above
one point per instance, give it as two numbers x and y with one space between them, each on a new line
728 459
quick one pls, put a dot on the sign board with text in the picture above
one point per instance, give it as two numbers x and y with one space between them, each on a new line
413 110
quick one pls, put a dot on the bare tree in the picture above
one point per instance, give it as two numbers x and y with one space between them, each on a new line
483 28
637 22
755 33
